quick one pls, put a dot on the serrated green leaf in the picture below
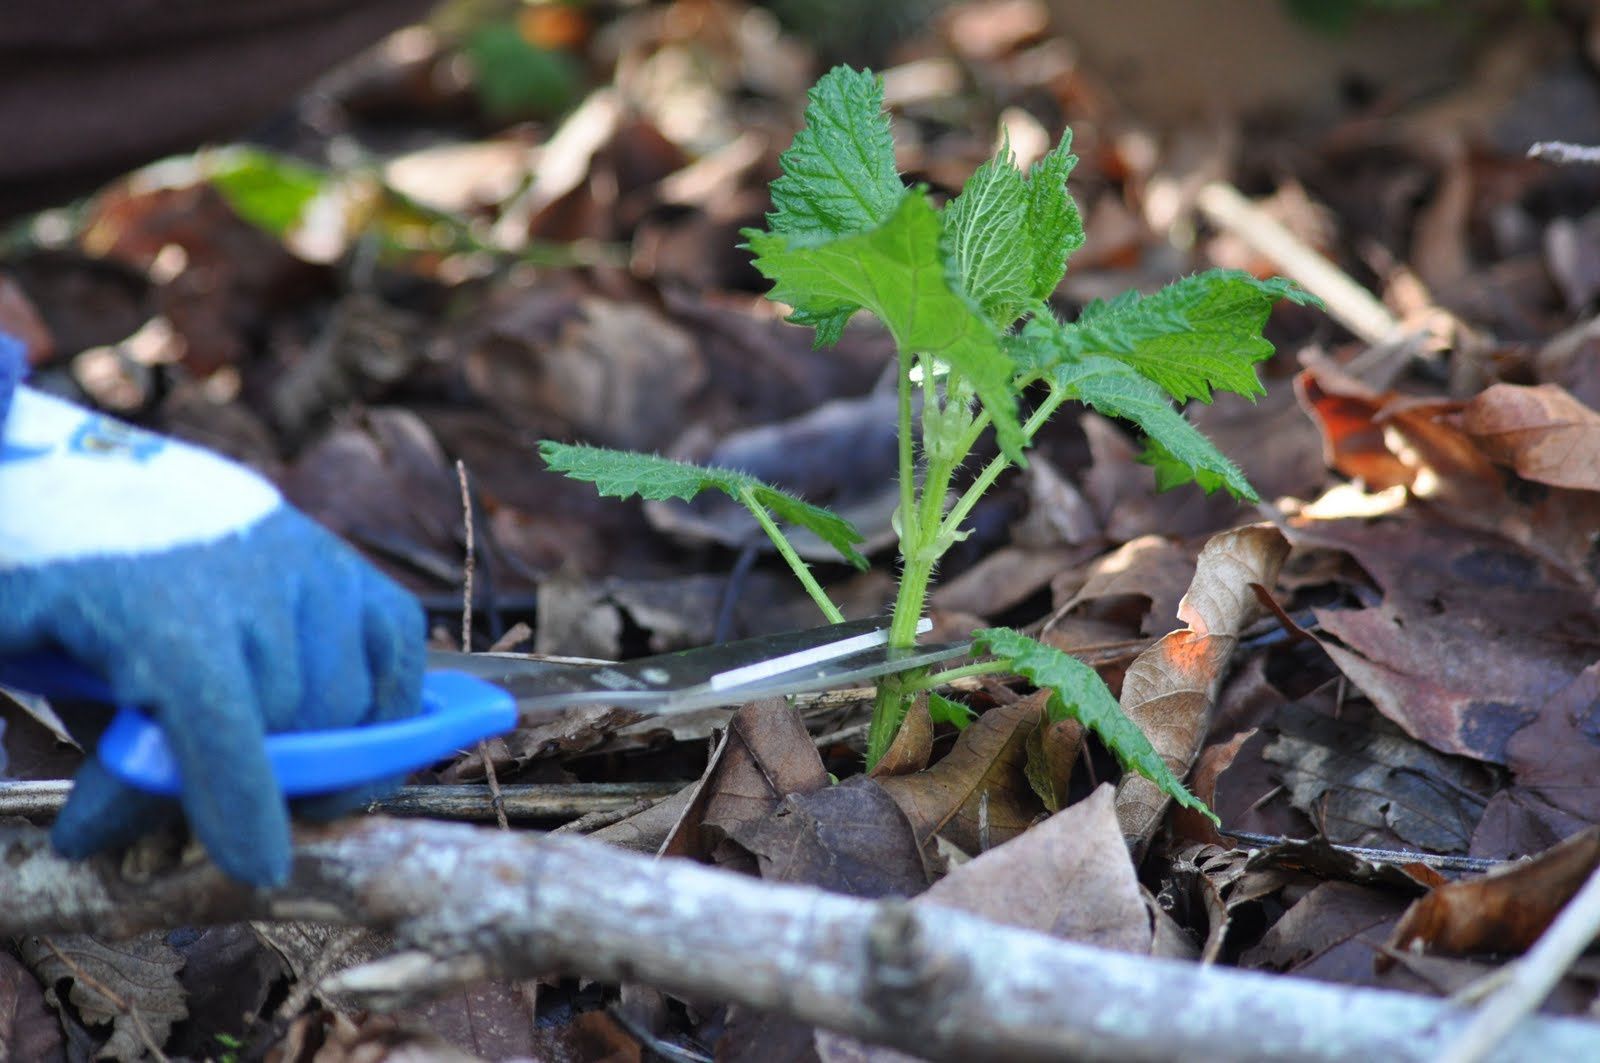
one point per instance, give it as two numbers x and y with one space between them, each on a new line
839 175
898 271
1199 333
1052 224
1010 235
623 474
1117 390
267 190
1077 692
1173 472
942 710
987 238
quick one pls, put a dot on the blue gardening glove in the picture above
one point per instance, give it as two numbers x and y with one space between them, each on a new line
201 597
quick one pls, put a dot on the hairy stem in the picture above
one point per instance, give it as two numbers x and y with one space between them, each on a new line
938 679
801 570
998 464
908 465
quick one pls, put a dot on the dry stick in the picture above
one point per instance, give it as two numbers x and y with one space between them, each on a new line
468 567
468 902
534 801
1531 977
1348 302
1564 153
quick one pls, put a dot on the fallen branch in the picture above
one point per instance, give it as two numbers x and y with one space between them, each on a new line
547 802
466 902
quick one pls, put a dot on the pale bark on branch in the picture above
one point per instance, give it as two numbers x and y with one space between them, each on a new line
465 902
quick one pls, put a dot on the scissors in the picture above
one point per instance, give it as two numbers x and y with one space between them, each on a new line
468 697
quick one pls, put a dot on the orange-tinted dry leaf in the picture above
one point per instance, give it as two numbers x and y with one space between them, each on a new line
1542 432
1169 690
1069 876
984 768
912 745
1503 911
1388 440
1151 568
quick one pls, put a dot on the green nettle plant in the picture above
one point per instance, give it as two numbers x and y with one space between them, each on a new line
962 289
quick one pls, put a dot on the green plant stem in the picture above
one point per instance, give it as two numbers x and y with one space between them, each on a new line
801 570
922 541
908 467
997 465
949 675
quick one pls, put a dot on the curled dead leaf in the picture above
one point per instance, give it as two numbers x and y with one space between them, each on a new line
912 745
1505 910
1169 690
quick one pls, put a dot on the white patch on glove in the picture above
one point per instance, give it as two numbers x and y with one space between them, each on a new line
76 484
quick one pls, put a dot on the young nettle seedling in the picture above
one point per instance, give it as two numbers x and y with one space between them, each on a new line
963 290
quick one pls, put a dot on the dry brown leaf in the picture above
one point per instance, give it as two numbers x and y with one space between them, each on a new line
1365 782
1069 876
765 756
1053 750
851 838
1558 754
982 774
28 1029
141 971
489 1020
1151 567
362 1038
1542 432
1472 635
1503 911
1332 933
1169 690
912 745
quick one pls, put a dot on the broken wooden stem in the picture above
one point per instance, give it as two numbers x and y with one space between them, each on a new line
467 903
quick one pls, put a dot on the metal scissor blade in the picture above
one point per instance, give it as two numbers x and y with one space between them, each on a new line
856 669
674 682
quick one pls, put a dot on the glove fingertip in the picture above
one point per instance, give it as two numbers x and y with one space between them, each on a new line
245 829
105 813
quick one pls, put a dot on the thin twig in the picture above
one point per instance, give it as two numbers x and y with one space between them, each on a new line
489 774
1532 977
465 902
1564 153
532 802
1348 302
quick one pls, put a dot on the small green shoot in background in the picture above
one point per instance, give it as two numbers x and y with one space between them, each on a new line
963 288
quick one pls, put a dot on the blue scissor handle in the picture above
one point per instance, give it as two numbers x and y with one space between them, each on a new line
457 710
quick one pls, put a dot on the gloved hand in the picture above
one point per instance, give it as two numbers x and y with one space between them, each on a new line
201 597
